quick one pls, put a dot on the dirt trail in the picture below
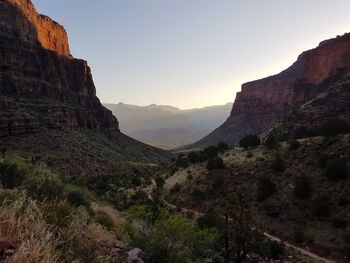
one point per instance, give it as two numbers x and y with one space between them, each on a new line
271 237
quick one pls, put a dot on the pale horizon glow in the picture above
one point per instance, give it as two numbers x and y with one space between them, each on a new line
191 53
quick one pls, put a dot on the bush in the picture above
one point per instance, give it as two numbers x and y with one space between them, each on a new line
196 157
222 147
320 207
13 172
215 163
104 219
76 197
278 164
334 127
266 188
339 223
211 151
337 170
302 188
43 184
249 141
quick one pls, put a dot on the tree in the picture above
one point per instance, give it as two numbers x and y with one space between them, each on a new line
249 141
240 238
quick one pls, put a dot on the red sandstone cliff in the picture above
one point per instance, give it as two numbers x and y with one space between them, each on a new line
41 84
262 103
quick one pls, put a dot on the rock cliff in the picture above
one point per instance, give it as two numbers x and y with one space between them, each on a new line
262 103
41 84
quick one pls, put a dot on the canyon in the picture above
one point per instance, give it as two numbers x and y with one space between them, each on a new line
263 103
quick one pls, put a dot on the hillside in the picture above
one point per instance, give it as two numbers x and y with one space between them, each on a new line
168 127
263 103
297 191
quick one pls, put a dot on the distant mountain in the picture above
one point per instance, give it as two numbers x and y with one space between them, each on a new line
166 126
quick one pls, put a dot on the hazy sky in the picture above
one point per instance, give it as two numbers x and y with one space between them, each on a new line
191 53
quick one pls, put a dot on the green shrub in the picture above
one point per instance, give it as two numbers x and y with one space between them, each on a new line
249 141
278 164
339 223
215 163
266 188
211 151
104 219
76 197
302 188
43 184
337 170
13 172
320 207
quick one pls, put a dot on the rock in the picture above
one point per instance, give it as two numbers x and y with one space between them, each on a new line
264 102
41 84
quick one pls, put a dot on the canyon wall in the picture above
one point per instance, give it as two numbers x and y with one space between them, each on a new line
41 84
263 102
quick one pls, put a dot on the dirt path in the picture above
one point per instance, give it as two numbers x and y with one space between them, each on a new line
303 251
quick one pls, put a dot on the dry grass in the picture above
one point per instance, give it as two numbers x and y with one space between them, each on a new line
22 222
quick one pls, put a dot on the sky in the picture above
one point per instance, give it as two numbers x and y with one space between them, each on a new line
191 53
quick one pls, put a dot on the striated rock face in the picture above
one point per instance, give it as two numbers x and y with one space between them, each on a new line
40 83
262 103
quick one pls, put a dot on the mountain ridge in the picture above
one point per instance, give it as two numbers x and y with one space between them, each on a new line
262 103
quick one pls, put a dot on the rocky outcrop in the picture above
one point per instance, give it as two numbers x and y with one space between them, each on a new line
41 84
264 102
